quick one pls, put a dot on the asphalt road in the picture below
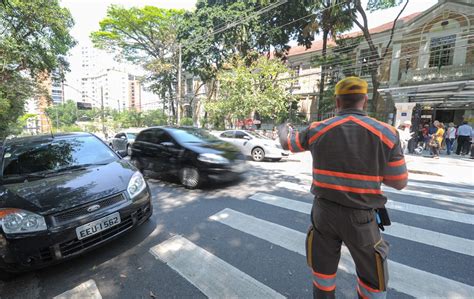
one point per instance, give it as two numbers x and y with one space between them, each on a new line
246 239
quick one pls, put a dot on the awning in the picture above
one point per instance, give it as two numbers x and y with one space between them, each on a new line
457 91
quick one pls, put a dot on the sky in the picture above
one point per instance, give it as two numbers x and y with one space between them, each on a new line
88 13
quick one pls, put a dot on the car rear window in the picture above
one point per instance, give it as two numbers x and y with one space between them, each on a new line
27 158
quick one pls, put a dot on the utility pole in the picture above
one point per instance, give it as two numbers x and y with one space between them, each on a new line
102 110
178 94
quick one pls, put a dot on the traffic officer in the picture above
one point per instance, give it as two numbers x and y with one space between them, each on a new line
353 155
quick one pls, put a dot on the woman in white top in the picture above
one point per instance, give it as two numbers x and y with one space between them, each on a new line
450 137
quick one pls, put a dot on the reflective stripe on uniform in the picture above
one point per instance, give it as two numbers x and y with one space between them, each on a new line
396 170
383 131
378 130
367 292
349 182
294 143
346 189
324 282
325 126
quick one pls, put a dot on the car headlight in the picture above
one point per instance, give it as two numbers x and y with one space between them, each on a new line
16 221
136 185
212 158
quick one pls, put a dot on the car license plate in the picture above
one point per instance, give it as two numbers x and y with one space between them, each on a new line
97 226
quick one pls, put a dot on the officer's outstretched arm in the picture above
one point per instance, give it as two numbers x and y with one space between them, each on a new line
293 140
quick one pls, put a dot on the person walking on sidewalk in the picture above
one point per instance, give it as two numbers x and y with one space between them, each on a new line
450 137
464 136
353 155
437 139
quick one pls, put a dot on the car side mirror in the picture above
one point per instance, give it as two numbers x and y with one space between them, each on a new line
247 137
167 144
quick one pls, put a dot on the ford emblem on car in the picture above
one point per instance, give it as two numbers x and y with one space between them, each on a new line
93 208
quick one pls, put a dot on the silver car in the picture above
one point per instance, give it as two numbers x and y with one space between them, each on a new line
122 142
255 145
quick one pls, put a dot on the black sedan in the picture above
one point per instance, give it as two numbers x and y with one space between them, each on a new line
63 195
191 154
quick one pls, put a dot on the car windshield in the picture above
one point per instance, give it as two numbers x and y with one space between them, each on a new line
54 155
256 135
194 136
131 136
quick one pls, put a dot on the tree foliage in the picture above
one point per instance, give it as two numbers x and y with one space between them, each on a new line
331 19
34 39
205 52
377 105
259 87
146 36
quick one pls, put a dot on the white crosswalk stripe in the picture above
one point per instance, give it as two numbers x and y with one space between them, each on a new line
402 231
441 197
403 278
86 289
433 186
400 206
211 275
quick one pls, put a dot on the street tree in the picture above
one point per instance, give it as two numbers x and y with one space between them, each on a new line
218 30
63 115
337 63
34 41
375 58
148 37
259 87
330 19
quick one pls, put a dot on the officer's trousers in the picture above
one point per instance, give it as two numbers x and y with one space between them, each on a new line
333 224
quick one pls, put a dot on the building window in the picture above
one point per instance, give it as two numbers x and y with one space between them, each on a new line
442 50
189 85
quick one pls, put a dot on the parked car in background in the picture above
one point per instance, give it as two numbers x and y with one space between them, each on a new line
63 195
255 145
122 142
193 155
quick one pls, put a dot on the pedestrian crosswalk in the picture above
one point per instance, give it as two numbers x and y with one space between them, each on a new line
216 275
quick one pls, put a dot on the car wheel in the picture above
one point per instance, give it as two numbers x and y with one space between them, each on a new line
129 150
190 177
258 154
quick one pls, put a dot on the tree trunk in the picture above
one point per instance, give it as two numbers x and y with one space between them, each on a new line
315 103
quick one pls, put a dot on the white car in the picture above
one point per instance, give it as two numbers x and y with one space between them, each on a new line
252 144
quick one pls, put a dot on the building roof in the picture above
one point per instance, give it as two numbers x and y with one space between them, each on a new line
318 44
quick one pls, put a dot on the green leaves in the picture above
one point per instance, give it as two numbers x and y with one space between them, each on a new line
243 89
373 5
146 36
34 41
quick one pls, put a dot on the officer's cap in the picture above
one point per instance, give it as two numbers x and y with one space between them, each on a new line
351 85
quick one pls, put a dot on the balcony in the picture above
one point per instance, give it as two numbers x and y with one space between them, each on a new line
433 74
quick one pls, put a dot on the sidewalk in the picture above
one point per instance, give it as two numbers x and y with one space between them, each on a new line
453 168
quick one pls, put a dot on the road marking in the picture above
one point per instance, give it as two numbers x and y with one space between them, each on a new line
415 234
403 278
466 201
442 187
430 212
427 195
86 289
211 275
